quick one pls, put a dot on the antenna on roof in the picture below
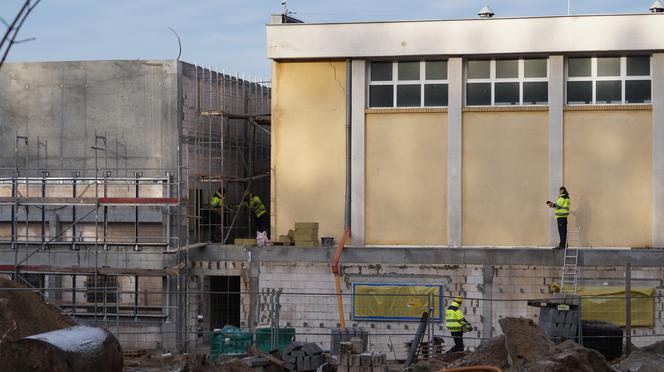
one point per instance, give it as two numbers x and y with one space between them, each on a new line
486 12
657 7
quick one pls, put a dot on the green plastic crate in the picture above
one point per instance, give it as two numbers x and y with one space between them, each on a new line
263 336
228 341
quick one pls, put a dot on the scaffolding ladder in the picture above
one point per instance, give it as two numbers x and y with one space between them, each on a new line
569 270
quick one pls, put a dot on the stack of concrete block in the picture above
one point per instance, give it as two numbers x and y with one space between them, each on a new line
303 356
245 242
287 239
338 335
306 234
353 359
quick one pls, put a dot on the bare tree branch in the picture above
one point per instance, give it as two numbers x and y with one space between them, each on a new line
24 40
23 15
4 22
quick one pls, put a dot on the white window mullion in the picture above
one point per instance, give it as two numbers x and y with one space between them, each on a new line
521 74
593 77
623 74
395 79
421 82
492 80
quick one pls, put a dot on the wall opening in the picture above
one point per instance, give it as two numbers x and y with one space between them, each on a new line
224 301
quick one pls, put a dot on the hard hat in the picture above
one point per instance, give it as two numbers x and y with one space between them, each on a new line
458 299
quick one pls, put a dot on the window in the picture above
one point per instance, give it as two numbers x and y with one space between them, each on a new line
105 291
408 84
507 82
608 80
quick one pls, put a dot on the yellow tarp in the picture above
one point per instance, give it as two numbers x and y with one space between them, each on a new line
608 304
382 301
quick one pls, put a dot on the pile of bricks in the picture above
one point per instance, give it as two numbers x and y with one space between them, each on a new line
303 356
353 358
306 234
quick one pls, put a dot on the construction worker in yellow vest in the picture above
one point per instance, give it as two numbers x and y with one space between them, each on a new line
561 212
456 323
258 210
217 207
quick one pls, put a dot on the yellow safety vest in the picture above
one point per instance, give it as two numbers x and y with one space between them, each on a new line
454 319
255 205
561 206
217 200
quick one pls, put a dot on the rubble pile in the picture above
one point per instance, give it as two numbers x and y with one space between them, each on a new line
646 359
524 347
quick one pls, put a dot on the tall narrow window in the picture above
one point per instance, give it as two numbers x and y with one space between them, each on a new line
507 82
608 80
408 84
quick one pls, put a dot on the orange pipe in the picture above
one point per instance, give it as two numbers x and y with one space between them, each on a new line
337 280
472 369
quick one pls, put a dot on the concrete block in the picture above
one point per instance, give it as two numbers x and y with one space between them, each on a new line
306 225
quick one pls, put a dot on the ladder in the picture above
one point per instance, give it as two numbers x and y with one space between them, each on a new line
568 280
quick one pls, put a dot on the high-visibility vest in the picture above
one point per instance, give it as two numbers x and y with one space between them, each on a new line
256 206
561 206
454 319
217 200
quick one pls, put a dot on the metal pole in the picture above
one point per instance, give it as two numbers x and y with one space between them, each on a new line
137 248
74 175
628 308
43 209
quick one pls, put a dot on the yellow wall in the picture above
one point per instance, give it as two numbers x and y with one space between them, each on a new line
505 178
608 172
308 146
406 179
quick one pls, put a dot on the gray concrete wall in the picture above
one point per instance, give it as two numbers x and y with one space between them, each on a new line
63 104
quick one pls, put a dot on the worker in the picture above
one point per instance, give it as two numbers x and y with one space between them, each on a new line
456 323
258 210
561 212
217 207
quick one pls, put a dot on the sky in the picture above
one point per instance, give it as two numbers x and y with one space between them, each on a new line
229 35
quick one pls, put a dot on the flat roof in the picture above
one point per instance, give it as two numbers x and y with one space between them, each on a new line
477 36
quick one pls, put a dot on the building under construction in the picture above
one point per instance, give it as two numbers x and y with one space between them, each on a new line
426 149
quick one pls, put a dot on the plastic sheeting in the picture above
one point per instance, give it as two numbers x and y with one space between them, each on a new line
608 304
396 301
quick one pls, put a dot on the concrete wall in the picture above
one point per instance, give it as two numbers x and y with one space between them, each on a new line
505 178
132 103
608 172
308 148
406 179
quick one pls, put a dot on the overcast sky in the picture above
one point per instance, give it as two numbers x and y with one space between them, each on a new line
230 34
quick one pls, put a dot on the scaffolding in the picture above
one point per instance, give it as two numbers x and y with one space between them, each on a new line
115 215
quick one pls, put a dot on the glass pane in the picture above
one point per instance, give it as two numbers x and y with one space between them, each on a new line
535 93
479 69
381 71
507 68
507 94
578 67
608 66
579 92
608 92
534 68
408 95
380 96
409 70
638 66
478 94
435 95
436 70
637 91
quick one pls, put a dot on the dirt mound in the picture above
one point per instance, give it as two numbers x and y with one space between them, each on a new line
492 352
640 361
656 348
24 313
529 349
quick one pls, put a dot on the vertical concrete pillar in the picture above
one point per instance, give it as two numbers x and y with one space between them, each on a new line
454 141
358 152
487 306
556 134
658 149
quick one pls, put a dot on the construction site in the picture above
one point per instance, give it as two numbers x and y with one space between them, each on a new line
405 176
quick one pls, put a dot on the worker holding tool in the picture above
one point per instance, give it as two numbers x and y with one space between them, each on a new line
258 210
217 207
456 323
561 212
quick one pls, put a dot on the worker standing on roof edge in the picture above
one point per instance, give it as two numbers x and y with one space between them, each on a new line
456 323
561 212
258 210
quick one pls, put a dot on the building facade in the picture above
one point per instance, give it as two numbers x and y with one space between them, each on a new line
462 129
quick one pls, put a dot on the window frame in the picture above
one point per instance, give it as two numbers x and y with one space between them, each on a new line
492 80
395 82
594 78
